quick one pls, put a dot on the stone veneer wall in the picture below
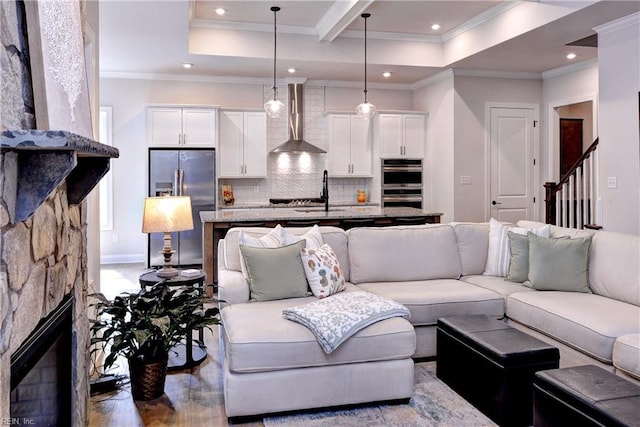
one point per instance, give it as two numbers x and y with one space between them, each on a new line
43 259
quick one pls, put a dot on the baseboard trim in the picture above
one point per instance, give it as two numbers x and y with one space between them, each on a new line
122 259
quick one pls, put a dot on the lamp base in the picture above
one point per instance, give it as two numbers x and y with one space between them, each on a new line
167 272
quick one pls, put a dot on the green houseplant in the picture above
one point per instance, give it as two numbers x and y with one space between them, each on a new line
144 326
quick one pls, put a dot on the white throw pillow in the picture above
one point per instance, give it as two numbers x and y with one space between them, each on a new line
313 238
499 255
323 271
273 239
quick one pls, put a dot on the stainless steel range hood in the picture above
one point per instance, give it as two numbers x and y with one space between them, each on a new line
296 142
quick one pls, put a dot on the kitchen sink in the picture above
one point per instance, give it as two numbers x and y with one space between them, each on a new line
308 210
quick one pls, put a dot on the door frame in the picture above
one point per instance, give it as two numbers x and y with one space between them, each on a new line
536 191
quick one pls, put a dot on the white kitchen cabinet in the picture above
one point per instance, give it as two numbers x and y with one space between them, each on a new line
181 127
401 135
350 146
242 148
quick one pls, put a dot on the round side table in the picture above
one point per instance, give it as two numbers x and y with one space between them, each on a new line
191 353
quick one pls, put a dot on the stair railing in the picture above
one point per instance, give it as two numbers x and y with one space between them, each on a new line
571 202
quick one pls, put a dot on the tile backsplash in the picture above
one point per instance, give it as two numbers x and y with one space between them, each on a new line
297 175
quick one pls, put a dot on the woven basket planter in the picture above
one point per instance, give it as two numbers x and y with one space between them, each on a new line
147 379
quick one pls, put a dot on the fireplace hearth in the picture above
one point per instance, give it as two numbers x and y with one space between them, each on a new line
41 383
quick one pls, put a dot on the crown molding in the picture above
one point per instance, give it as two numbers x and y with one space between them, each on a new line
443 75
632 20
465 72
568 69
479 19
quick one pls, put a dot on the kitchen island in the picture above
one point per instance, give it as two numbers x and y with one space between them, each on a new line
217 223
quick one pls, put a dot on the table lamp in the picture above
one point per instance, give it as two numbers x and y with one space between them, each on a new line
167 214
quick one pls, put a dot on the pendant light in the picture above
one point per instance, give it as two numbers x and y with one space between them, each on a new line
274 107
366 109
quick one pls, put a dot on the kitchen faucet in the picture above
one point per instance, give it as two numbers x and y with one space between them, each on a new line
325 190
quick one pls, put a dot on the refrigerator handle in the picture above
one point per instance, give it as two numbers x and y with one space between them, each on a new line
178 182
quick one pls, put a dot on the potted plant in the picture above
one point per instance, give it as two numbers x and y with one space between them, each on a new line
144 326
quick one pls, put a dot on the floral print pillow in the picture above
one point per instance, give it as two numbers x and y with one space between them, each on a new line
323 271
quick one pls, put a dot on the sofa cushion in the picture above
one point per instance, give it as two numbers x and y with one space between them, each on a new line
431 299
588 322
473 245
559 264
275 273
555 231
323 271
381 254
614 266
626 354
333 320
257 338
496 284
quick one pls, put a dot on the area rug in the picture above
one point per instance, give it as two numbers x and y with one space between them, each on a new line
433 404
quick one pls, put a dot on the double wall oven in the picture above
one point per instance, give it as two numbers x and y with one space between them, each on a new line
401 183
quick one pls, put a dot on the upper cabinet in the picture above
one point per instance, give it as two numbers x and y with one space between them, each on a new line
181 127
242 148
350 146
401 135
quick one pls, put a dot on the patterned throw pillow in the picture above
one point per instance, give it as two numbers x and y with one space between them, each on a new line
323 271
499 255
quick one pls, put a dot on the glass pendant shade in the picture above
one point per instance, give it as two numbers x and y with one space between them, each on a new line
365 110
274 107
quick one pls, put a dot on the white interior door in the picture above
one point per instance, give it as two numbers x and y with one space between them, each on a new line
511 148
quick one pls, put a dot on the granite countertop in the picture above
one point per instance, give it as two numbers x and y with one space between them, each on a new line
335 212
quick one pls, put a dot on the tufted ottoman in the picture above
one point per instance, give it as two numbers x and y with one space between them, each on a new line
273 365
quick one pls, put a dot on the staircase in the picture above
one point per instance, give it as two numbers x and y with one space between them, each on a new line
571 202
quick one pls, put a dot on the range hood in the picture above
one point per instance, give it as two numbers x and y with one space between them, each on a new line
296 142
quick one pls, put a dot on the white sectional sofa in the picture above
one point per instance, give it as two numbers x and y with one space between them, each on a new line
272 364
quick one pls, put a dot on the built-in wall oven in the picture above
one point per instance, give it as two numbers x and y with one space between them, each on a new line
402 183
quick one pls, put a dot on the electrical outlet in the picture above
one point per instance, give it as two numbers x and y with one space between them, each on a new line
612 182
114 238
465 180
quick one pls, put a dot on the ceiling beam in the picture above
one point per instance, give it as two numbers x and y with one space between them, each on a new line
338 17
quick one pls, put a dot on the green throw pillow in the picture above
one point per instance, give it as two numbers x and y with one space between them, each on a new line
559 264
275 273
519 265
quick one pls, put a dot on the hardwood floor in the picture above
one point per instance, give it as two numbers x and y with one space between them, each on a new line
193 397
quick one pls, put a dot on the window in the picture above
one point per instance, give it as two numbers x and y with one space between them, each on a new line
106 183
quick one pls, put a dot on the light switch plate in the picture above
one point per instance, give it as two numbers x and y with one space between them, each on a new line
465 180
612 182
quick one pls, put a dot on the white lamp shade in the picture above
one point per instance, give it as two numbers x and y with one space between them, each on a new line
166 214
274 108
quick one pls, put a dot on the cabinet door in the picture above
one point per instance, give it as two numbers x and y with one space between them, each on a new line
230 150
255 144
339 145
164 127
414 135
361 147
198 127
390 135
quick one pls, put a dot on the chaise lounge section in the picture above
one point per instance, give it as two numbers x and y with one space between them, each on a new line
272 364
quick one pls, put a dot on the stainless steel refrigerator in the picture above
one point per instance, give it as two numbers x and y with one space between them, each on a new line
182 172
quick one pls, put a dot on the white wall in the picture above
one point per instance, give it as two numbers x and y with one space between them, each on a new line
619 147
471 96
438 99
128 98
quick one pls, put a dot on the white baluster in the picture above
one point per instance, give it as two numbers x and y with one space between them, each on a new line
579 183
563 217
572 198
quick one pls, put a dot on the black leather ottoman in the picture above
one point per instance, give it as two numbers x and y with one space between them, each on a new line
585 396
492 365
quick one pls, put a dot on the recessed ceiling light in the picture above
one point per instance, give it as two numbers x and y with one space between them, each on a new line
435 27
571 55
220 11
386 74
291 70
187 65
